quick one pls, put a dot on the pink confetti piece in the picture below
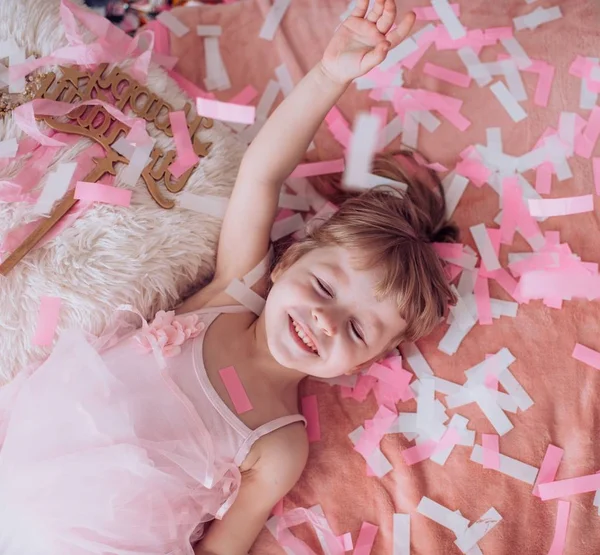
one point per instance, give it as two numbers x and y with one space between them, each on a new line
366 539
482 300
436 167
543 178
310 411
427 13
560 530
587 356
447 75
571 486
47 321
98 192
186 157
491 451
596 171
561 206
235 389
346 541
245 96
549 467
226 111
318 168
418 453
586 141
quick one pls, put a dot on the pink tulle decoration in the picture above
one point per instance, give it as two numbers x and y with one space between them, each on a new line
169 332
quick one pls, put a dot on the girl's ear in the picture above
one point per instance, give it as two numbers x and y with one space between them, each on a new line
276 273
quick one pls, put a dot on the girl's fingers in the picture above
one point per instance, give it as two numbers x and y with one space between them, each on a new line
396 36
374 57
387 19
376 11
361 8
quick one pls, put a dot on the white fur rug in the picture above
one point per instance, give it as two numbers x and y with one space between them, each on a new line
142 255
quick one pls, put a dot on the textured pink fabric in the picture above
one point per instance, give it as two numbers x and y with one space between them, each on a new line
101 451
566 409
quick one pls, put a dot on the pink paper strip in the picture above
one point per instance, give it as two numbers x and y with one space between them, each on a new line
491 451
235 389
447 75
98 192
586 141
544 86
346 541
47 321
319 168
543 178
596 170
428 13
482 300
310 411
420 452
572 486
366 539
245 96
587 356
450 438
225 111
186 157
549 467
560 530
512 204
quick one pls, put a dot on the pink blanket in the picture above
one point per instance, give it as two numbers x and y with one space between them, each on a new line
542 339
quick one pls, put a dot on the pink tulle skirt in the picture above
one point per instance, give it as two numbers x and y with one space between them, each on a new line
102 454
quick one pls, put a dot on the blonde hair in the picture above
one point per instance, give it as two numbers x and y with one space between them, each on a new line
394 230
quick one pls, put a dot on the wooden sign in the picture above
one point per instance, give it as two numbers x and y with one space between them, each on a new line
95 122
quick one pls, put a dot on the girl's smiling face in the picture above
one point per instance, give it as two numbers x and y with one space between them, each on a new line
323 318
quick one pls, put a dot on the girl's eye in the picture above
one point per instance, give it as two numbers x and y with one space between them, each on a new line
324 288
356 331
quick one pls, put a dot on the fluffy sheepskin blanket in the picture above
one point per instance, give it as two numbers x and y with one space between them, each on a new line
143 255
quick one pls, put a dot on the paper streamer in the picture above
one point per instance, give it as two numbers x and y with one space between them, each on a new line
442 515
549 467
8 148
226 111
560 530
571 486
361 150
98 192
235 389
469 538
47 321
376 461
485 247
586 355
561 206
286 226
449 18
273 19
491 451
209 30
186 157
173 24
310 411
216 72
366 539
447 75
509 466
204 204
318 168
285 79
401 532
508 101
55 188
245 296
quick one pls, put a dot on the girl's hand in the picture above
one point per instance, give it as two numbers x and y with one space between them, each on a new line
361 43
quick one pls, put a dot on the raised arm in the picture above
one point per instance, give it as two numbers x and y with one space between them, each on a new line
358 45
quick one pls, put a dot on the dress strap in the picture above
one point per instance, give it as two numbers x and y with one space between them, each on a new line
263 431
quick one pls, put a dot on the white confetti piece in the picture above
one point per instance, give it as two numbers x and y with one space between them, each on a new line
216 72
286 226
469 538
485 247
448 18
508 101
509 466
514 48
392 130
9 148
204 204
209 30
454 187
410 133
407 47
401 531
475 68
537 17
285 79
376 461
442 515
360 152
498 419
55 188
172 23
245 296
467 437
273 19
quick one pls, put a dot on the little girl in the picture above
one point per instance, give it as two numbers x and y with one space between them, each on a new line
133 446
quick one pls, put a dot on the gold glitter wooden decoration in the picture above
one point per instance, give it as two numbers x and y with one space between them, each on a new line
95 122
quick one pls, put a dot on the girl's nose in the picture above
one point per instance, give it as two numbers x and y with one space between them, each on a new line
325 321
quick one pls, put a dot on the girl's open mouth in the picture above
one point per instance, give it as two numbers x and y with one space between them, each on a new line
302 338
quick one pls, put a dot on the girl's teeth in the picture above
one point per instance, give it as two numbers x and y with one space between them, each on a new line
304 337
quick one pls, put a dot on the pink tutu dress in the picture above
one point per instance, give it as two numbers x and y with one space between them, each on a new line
119 446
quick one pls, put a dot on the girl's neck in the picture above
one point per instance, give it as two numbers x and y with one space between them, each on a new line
253 345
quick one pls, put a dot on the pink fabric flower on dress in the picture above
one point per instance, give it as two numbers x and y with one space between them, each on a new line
168 332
